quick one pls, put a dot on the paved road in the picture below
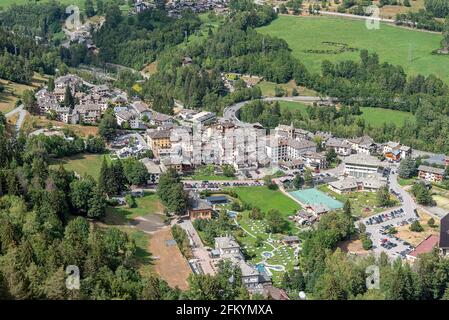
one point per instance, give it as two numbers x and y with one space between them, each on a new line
198 249
20 109
230 112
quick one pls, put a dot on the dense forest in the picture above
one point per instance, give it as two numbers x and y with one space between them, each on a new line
135 41
33 19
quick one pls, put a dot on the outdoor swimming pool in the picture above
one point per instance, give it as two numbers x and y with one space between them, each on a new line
314 196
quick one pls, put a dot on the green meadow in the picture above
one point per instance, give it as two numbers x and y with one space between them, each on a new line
376 117
83 164
345 38
267 199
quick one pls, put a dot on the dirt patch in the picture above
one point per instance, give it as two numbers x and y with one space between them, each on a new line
169 263
415 238
353 246
150 69
149 223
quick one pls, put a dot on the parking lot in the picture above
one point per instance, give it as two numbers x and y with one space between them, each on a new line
218 185
377 226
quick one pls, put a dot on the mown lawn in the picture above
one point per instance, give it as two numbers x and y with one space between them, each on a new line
409 48
89 164
267 199
294 106
147 204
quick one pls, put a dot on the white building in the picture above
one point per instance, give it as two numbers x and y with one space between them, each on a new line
128 117
361 165
363 145
341 147
204 117
154 170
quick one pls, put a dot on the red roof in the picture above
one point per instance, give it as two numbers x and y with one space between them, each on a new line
425 246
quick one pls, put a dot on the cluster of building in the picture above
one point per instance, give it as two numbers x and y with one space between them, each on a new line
176 7
230 79
292 148
83 34
91 101
137 114
392 151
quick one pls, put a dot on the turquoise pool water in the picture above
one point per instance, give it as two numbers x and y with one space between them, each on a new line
314 196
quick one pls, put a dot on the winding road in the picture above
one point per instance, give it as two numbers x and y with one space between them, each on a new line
20 109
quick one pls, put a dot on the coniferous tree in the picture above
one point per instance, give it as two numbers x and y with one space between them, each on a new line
69 101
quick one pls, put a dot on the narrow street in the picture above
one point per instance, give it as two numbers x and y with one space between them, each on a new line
198 249
22 113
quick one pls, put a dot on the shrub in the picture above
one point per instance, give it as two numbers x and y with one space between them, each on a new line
367 243
416 227
131 201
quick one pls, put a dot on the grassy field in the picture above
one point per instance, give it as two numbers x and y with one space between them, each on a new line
375 117
406 182
123 218
89 164
386 11
294 106
267 199
147 204
13 91
409 48
441 197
